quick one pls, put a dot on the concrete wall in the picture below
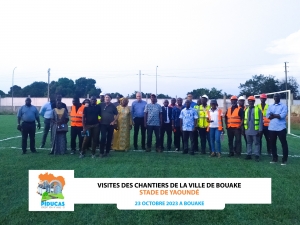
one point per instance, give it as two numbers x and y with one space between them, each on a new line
6 103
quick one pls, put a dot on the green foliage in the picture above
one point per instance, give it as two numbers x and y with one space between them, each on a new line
36 89
17 91
45 194
292 85
259 84
2 94
213 93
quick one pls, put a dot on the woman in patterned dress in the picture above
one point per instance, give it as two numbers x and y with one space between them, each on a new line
121 140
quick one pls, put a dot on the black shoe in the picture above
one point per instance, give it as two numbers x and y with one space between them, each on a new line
144 148
42 146
248 157
257 158
34 151
203 153
192 153
169 149
51 153
274 160
135 147
72 152
231 154
23 153
184 152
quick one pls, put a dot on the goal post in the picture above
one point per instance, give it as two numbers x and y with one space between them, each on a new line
270 101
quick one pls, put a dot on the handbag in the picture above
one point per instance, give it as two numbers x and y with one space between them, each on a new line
62 128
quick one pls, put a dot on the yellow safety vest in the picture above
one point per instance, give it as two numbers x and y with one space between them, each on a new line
202 115
256 118
98 102
264 112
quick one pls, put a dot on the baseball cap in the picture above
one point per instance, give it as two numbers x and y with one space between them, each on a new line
213 101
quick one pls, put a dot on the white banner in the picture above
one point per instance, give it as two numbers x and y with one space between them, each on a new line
58 190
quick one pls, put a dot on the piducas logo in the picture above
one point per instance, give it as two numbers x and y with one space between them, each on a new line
50 188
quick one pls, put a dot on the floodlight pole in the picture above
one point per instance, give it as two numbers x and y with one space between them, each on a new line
286 87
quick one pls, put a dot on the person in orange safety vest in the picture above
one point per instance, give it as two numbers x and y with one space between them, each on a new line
76 124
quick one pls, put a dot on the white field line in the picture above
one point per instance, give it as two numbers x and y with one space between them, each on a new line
6 139
166 152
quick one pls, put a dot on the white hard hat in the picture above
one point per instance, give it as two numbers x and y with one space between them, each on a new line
204 96
241 98
102 93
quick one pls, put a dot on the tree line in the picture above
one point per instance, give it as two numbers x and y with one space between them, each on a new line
86 86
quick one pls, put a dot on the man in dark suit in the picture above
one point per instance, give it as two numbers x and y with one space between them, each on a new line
166 125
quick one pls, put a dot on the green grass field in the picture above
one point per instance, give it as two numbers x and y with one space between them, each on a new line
14 179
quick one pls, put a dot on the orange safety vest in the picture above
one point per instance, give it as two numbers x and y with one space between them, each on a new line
220 125
264 112
76 117
233 119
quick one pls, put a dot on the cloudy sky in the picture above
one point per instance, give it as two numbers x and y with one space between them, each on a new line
195 44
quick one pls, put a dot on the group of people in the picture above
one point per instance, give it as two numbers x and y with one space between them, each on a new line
107 125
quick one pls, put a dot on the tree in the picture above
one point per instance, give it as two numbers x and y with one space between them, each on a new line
259 84
213 93
64 86
133 95
114 95
84 86
292 85
2 94
162 96
36 89
17 91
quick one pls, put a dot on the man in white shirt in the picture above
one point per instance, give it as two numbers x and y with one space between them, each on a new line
46 112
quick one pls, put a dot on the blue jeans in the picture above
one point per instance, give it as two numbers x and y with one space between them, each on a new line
215 135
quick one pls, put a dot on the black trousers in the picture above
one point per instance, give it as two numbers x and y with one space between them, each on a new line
186 136
47 125
178 136
267 137
195 140
107 132
28 128
139 124
234 133
76 132
150 130
93 136
282 137
204 135
166 128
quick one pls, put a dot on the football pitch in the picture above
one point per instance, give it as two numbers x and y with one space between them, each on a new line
137 164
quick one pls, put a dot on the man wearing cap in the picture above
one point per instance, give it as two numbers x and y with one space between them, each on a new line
203 124
28 114
264 107
152 122
234 119
253 124
137 112
277 128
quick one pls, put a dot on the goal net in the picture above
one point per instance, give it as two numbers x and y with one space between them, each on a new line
287 101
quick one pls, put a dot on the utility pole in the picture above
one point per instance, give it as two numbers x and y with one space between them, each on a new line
48 84
286 94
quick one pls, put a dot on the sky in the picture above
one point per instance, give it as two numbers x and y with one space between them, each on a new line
188 44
